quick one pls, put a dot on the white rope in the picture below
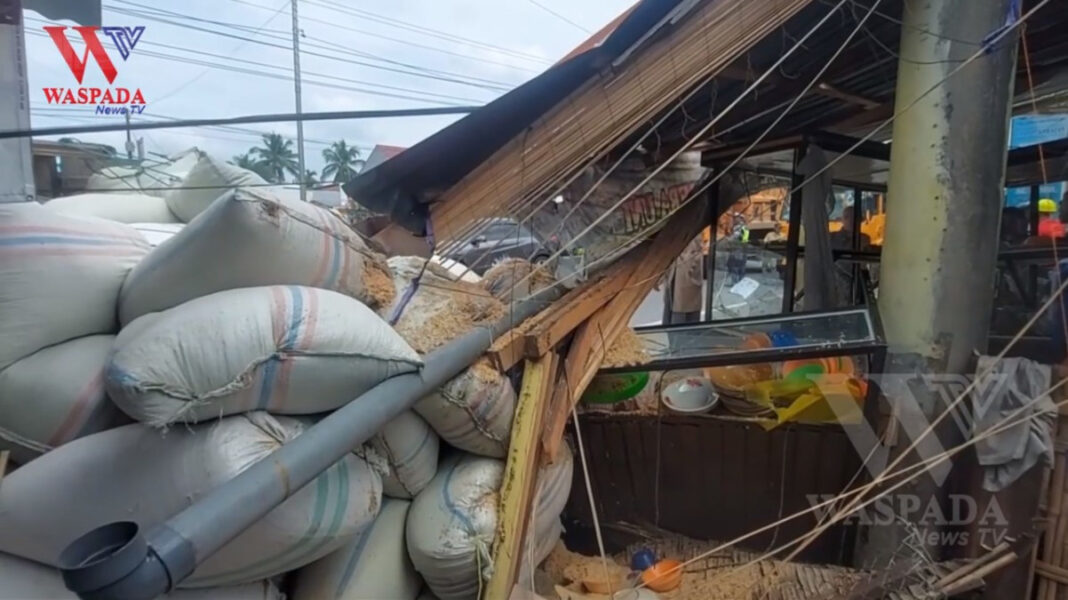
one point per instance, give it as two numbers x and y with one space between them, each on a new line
593 507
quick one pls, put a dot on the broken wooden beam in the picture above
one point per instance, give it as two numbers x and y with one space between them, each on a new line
597 333
520 474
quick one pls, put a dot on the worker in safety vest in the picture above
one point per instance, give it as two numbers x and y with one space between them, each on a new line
1049 224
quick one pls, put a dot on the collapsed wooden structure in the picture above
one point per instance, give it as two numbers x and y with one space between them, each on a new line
670 76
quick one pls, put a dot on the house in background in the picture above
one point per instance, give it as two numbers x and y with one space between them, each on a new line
380 154
63 167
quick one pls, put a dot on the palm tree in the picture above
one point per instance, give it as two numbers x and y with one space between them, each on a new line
342 162
276 157
247 161
310 178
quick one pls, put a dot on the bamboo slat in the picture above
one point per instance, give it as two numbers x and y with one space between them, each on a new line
610 107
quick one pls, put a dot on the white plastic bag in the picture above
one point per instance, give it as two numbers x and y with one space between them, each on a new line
124 208
473 411
135 473
374 566
250 238
208 179
59 277
452 522
54 396
285 349
26 580
410 447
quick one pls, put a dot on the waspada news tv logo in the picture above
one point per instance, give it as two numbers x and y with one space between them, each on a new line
122 98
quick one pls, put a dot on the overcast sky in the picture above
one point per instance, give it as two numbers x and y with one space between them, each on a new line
510 41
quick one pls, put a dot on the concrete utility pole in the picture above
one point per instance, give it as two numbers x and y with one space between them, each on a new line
296 92
16 158
946 179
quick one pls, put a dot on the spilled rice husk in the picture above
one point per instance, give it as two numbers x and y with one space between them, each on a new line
378 282
515 278
721 576
627 350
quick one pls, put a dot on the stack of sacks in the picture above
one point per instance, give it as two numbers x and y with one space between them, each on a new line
26 580
124 208
150 477
60 278
474 410
258 308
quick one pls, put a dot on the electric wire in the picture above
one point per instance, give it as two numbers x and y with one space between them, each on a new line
365 32
559 16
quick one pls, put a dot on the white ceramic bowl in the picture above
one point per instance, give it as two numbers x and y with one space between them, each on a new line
690 395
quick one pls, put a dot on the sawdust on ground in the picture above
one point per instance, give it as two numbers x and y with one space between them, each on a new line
725 575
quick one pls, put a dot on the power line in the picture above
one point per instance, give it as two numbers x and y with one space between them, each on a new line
559 16
263 118
398 40
164 16
420 97
274 14
427 31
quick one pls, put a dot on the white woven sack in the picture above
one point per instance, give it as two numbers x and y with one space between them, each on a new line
251 238
373 566
124 208
56 395
452 522
208 179
26 580
473 411
59 277
287 350
135 473
410 447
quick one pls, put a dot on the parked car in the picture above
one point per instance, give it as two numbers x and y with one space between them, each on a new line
498 238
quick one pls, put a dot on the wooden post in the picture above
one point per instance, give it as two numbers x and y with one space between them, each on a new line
520 475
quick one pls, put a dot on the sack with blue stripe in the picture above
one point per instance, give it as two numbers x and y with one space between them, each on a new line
137 473
124 208
452 522
373 566
249 238
60 277
283 349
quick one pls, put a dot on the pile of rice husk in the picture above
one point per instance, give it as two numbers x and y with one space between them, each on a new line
721 576
378 281
441 309
515 278
626 351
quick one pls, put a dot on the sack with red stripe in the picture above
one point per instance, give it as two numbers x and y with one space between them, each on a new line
139 474
283 349
60 277
54 396
249 238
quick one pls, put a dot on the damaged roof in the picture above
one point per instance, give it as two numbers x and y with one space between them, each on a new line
397 186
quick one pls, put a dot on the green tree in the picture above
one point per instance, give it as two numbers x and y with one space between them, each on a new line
343 162
310 177
247 161
276 157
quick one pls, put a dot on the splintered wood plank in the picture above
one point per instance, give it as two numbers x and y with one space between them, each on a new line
599 332
520 475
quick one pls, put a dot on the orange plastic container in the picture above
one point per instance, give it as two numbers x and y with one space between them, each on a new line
664 576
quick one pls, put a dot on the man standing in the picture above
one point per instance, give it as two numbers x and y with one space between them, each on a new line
1049 225
687 279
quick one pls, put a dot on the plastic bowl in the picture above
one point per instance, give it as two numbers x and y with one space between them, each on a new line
691 395
664 576
609 389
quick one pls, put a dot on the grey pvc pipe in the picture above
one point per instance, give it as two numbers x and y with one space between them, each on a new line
117 562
